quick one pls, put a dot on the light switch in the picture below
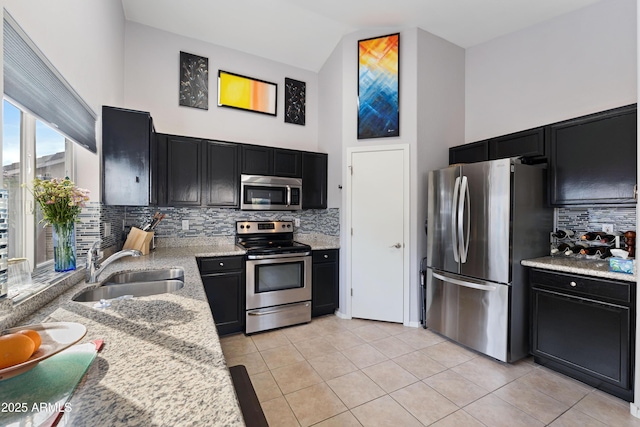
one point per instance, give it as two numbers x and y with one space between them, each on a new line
185 224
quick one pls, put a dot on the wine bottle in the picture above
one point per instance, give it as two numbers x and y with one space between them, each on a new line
595 250
562 233
608 238
593 235
578 247
562 248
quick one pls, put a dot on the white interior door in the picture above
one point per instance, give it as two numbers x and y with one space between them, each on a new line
377 235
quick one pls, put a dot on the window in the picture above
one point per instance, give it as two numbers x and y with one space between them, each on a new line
30 149
34 90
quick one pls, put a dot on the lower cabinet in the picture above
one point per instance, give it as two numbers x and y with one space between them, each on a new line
325 280
583 327
224 283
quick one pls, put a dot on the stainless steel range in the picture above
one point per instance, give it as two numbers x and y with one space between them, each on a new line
278 275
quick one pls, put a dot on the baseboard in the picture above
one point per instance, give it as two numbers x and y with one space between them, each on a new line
635 410
342 315
414 324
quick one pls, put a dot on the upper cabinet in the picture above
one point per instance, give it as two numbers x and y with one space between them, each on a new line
258 160
287 163
128 157
183 171
198 172
469 153
314 181
221 169
528 144
195 172
593 159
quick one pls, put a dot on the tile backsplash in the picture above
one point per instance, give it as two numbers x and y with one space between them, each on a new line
586 219
203 222
213 222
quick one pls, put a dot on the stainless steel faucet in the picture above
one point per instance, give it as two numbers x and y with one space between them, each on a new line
94 267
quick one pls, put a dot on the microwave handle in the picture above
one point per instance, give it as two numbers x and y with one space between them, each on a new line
288 195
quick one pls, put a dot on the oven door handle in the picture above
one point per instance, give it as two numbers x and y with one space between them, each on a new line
261 313
292 255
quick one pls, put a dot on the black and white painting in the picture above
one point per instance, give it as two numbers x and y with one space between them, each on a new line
294 101
194 81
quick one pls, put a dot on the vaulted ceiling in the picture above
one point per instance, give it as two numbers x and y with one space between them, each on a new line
303 33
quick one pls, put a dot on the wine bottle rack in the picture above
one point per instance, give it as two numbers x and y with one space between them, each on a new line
576 239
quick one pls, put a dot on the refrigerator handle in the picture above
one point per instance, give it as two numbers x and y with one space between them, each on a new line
464 283
460 219
454 210
464 233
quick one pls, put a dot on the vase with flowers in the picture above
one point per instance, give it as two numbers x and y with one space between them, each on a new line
61 202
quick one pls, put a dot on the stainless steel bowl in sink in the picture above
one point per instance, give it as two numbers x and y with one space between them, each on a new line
136 283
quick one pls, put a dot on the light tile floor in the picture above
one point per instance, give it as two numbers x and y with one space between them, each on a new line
336 372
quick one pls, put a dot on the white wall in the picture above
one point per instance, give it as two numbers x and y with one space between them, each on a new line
431 119
330 111
85 42
575 64
440 117
152 84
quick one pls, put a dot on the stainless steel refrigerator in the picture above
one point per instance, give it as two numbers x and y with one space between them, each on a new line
483 219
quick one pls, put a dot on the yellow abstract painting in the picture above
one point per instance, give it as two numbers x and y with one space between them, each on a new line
246 93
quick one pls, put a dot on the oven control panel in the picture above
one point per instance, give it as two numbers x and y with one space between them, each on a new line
254 227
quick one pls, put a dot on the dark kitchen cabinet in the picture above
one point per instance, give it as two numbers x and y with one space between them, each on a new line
183 170
221 170
584 327
314 180
325 280
128 158
593 159
287 163
528 144
469 153
269 161
223 279
257 160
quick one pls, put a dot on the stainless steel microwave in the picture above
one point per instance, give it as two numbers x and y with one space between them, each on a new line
270 193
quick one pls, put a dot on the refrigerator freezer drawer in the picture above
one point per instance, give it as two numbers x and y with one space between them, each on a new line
473 313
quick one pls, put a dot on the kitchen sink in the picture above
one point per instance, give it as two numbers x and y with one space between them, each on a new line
144 276
135 283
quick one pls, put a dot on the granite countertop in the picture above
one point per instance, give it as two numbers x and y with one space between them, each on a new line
318 242
587 267
162 363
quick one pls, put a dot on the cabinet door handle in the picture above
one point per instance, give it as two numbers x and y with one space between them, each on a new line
222 264
326 256
573 284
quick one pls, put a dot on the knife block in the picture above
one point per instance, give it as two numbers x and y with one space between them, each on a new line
140 240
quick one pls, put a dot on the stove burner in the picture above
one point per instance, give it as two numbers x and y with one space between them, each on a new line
266 238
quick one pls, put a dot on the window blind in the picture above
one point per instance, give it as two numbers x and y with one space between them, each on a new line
32 82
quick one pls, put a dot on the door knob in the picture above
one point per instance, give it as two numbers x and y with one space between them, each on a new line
397 246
